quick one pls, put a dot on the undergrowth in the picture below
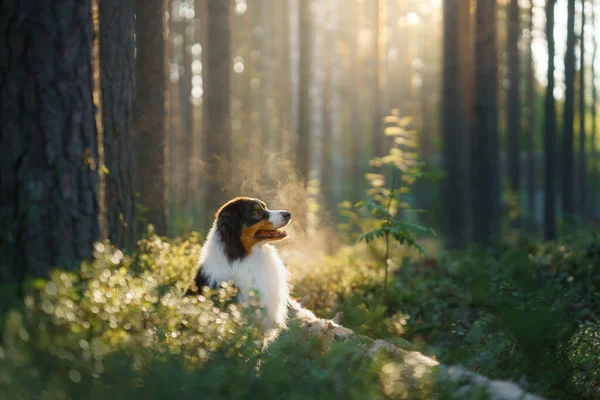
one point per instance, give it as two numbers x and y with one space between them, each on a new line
521 311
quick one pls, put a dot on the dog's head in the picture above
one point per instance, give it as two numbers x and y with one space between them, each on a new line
245 222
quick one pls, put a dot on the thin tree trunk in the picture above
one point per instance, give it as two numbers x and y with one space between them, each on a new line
582 181
283 138
550 133
48 143
594 149
485 167
150 109
468 90
186 117
513 106
217 106
453 130
531 206
304 115
117 67
265 77
326 151
356 121
568 162
377 134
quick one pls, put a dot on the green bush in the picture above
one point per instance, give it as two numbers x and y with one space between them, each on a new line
119 329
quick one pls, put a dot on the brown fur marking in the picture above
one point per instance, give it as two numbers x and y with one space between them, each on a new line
249 238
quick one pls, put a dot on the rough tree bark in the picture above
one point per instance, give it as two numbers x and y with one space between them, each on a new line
568 161
150 109
217 105
48 143
117 67
512 100
486 188
550 132
453 130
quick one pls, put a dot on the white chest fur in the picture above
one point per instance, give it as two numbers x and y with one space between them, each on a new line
262 271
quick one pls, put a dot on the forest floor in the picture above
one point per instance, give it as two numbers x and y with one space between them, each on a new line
523 312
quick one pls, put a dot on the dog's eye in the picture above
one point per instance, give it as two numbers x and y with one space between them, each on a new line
256 213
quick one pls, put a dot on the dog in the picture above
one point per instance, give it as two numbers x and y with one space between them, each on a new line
238 249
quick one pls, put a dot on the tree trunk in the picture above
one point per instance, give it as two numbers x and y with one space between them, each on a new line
327 148
568 162
531 206
186 118
468 90
284 95
453 130
582 180
150 108
217 104
48 143
550 133
356 154
594 149
512 101
117 67
486 188
377 145
304 114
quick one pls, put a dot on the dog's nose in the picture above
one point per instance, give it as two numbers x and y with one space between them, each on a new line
287 215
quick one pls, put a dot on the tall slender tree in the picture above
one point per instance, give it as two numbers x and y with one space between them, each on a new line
217 106
486 188
453 130
327 144
48 148
550 132
582 166
531 203
355 115
303 147
377 143
594 106
150 109
186 112
117 66
513 106
568 160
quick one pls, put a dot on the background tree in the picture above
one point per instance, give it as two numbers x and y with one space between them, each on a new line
594 105
453 130
117 78
48 149
550 132
567 156
582 166
304 111
217 106
486 188
513 105
150 106
530 167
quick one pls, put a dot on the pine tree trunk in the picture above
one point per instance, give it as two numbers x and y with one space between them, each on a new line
582 180
594 149
513 106
568 162
453 130
186 116
531 203
486 188
550 132
150 109
48 142
217 105
356 152
327 145
377 142
117 68
304 115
